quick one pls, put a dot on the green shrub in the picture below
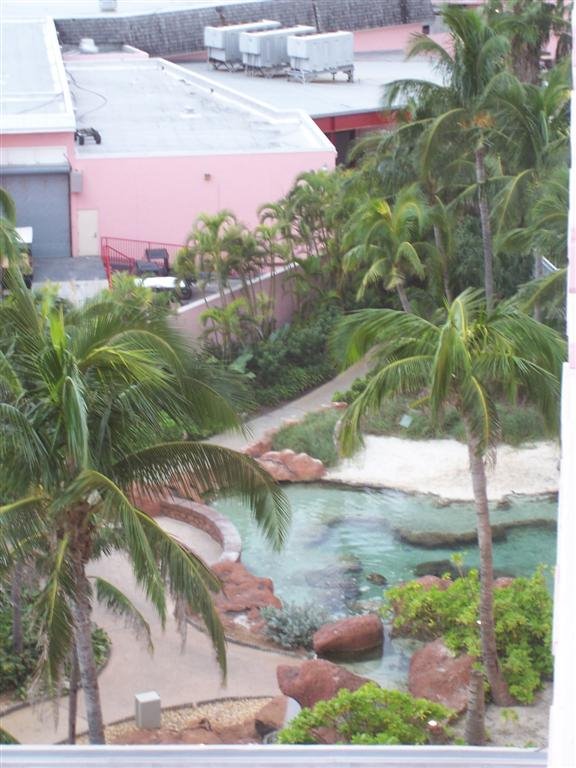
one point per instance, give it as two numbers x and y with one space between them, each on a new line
7 738
293 625
518 423
314 435
17 669
522 614
370 715
292 360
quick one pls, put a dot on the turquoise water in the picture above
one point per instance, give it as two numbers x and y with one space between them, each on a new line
341 536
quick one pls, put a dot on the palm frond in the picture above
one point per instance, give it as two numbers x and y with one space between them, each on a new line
203 468
118 603
53 617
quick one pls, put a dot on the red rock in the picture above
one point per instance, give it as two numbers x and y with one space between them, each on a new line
241 590
326 735
260 446
503 581
272 716
358 633
438 675
292 467
316 680
427 582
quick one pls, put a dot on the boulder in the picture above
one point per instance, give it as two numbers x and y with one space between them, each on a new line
256 449
503 581
446 539
358 633
289 466
316 680
377 578
241 590
438 675
272 716
428 582
339 585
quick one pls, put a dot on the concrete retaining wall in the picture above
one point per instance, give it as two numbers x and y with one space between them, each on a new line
179 33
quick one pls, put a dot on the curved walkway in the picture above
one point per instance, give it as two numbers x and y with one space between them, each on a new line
179 676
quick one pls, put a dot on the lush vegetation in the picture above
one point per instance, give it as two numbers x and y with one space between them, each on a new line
518 422
370 715
313 435
292 360
437 236
293 626
522 617
18 665
82 394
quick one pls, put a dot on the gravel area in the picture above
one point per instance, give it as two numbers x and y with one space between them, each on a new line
219 713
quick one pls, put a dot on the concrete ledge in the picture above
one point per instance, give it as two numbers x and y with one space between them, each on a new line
207 519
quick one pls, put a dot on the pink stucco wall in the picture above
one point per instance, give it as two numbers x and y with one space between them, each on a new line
158 198
188 319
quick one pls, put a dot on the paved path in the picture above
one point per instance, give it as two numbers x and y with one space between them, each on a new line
313 401
180 677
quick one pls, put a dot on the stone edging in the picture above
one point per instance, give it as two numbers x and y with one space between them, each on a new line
233 641
176 707
206 519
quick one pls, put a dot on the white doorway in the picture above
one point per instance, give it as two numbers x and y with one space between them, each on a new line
88 239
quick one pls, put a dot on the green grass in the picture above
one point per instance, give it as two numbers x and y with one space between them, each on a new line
314 435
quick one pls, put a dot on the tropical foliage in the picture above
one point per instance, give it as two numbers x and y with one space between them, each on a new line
522 616
370 715
467 359
81 394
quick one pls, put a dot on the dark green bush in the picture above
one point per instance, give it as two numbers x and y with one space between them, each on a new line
292 360
314 435
371 715
293 626
522 614
518 423
7 738
17 669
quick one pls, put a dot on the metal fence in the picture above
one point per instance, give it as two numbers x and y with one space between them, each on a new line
137 257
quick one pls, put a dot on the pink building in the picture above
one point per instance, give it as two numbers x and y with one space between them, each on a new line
126 146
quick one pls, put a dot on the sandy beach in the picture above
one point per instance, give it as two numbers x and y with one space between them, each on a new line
440 467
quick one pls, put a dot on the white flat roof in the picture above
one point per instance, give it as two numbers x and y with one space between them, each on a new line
325 96
34 95
67 9
154 108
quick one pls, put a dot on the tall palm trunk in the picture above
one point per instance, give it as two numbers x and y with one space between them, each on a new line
439 243
479 156
73 697
475 729
81 610
403 296
538 272
500 693
16 600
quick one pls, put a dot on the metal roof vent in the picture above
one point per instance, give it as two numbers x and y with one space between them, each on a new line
87 45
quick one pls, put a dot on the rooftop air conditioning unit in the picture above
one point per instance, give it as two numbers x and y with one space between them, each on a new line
222 42
331 52
266 52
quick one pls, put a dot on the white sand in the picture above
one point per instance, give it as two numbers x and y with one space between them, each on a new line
440 467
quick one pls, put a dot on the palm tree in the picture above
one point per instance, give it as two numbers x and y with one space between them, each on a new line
459 109
468 360
9 238
534 126
83 400
389 238
528 24
206 251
